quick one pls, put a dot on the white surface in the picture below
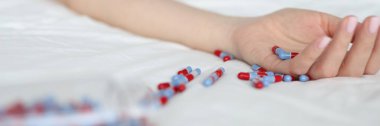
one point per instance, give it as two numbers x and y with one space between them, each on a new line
45 48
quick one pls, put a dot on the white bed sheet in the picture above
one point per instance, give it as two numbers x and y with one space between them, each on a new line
46 48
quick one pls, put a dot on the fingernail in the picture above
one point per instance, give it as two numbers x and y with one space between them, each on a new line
324 42
351 25
374 24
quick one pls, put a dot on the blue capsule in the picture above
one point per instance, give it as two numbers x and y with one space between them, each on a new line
168 93
304 78
213 77
284 56
288 78
266 83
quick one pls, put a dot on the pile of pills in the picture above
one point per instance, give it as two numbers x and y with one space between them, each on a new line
50 106
225 56
261 78
48 111
177 84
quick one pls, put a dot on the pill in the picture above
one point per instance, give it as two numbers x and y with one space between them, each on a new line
256 67
185 71
288 78
169 93
180 88
247 75
163 86
258 85
38 108
272 79
227 58
304 78
282 54
184 79
211 79
17 109
223 55
163 100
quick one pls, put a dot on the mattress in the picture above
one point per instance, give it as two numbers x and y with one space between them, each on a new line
46 48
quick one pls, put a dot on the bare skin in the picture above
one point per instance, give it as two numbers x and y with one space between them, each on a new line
321 39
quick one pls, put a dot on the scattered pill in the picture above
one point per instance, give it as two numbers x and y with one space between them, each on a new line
247 75
163 86
288 78
185 71
256 67
304 78
180 88
272 79
211 79
163 100
223 55
282 54
258 85
169 93
184 79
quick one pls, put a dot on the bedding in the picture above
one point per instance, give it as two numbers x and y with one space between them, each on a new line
46 48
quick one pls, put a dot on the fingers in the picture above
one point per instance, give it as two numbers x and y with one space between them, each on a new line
302 62
373 64
357 58
331 59
273 63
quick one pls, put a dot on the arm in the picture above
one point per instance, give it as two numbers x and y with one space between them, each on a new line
321 39
163 19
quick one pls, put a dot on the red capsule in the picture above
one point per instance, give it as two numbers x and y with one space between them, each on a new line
258 85
278 78
219 72
163 86
217 52
39 108
163 100
274 49
17 109
190 77
180 88
226 58
185 71
293 54
244 76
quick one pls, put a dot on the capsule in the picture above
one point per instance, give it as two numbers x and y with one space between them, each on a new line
184 79
185 71
258 85
223 55
272 79
288 78
256 67
282 54
169 93
304 78
211 79
163 86
180 88
248 75
163 100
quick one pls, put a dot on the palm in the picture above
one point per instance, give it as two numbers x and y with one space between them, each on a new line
292 31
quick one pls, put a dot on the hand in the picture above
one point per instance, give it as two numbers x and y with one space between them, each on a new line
310 33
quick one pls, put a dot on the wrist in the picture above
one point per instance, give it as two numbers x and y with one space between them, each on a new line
233 32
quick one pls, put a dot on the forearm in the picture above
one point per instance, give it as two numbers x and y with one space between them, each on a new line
163 19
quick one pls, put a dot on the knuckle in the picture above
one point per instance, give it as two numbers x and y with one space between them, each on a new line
297 69
326 72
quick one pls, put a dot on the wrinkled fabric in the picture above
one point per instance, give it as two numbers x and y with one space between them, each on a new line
46 48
